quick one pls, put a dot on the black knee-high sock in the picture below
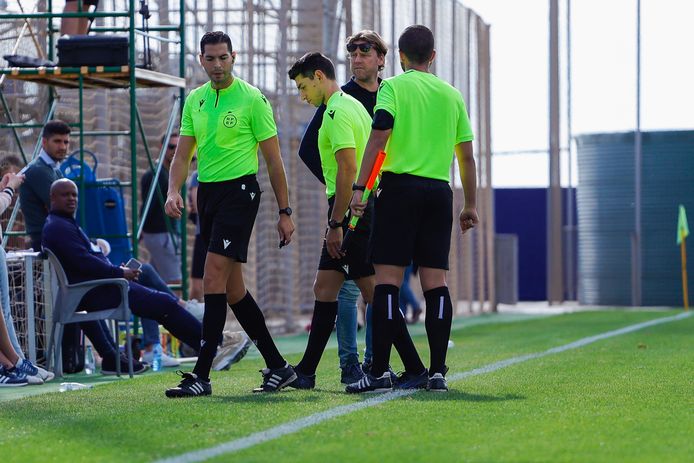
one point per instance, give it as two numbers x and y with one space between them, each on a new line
252 321
322 323
438 326
395 333
384 311
404 345
212 327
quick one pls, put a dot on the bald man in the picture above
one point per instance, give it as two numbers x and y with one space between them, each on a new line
84 261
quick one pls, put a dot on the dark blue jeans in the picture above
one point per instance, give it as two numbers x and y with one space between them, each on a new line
148 303
100 337
151 279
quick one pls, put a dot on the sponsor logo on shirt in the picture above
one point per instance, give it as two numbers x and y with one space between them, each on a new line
226 243
331 113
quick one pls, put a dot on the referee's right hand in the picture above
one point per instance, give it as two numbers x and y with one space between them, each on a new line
174 205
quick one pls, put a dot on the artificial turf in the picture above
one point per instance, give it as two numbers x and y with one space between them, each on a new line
627 398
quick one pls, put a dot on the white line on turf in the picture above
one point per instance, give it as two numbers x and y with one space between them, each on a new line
311 420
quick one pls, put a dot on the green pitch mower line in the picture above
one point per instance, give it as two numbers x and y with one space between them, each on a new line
312 420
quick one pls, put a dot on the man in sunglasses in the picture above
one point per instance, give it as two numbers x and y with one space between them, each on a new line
159 232
367 53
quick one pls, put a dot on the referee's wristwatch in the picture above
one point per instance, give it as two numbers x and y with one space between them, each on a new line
332 223
286 211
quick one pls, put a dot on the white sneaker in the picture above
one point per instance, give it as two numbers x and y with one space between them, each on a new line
34 380
196 309
166 360
34 374
234 348
45 374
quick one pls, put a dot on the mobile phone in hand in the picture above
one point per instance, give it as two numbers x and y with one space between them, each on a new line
133 264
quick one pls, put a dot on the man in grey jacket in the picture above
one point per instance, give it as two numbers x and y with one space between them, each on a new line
42 172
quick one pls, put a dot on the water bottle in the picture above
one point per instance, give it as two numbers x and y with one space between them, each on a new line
74 386
89 362
156 357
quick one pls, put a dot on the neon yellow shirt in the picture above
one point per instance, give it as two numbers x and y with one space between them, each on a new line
227 125
346 124
430 119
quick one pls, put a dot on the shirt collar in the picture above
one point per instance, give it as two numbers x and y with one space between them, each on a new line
47 159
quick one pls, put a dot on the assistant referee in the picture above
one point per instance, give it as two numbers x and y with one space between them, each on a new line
228 119
421 121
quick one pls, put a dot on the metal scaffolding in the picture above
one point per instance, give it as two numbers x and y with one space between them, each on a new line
83 101
268 36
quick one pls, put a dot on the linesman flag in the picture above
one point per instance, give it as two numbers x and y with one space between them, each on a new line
682 234
682 226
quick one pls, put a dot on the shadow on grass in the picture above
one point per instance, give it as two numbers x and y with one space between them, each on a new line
462 396
273 397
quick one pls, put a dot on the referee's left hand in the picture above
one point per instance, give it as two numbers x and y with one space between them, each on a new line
356 205
333 242
174 205
285 227
468 219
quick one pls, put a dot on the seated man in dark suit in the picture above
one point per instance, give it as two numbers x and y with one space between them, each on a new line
84 261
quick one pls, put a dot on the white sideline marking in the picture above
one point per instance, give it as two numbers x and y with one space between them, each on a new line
311 420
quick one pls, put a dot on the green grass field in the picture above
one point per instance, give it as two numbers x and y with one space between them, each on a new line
626 398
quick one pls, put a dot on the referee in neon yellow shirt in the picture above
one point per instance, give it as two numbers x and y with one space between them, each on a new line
421 121
228 119
342 138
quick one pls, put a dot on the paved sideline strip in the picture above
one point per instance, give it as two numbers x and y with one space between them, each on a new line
311 420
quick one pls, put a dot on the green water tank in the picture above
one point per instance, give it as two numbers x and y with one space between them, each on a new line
605 201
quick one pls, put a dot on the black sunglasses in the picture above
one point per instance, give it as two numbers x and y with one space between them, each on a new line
171 147
363 47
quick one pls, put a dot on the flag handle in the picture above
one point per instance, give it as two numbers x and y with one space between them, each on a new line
685 292
373 175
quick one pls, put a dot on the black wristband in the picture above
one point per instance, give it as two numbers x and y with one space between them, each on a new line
356 187
9 190
332 223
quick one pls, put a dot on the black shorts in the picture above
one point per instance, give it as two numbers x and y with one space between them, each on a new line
355 264
227 213
412 221
197 268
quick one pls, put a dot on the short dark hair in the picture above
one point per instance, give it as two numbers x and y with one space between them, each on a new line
55 127
417 43
173 134
213 38
311 62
